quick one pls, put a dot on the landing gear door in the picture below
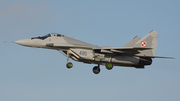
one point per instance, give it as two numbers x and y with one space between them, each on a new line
84 53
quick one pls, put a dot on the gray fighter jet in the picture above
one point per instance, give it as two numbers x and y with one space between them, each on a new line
136 53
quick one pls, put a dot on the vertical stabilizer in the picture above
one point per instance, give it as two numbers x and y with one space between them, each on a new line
149 41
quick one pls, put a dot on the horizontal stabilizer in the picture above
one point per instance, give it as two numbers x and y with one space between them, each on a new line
155 57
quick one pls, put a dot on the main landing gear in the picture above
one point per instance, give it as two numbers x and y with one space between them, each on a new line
96 69
109 65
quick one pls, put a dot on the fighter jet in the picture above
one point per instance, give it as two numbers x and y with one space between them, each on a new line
137 53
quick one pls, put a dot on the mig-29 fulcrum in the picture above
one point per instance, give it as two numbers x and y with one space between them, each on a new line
136 53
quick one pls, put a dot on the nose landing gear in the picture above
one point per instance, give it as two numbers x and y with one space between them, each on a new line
69 65
96 69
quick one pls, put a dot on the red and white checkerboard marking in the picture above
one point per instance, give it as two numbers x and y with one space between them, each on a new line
143 44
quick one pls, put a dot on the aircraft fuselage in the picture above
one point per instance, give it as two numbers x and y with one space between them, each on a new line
137 53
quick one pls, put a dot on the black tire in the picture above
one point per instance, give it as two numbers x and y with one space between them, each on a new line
109 65
69 65
96 70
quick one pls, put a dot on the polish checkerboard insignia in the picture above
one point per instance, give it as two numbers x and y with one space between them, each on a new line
143 44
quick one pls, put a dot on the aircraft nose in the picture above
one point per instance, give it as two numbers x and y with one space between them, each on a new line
24 42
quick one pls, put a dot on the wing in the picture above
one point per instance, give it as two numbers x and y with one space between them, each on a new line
127 51
120 50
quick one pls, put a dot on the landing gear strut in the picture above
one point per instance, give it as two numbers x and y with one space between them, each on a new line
96 69
69 64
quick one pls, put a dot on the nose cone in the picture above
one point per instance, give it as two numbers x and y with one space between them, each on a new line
24 42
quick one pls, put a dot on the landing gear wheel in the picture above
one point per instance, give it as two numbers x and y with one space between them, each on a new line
109 66
96 70
69 65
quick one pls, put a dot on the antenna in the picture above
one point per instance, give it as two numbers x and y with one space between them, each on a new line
73 36
8 41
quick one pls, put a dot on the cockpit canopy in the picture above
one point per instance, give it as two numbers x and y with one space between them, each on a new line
56 34
48 35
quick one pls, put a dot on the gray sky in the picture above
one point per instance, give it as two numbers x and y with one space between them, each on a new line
28 74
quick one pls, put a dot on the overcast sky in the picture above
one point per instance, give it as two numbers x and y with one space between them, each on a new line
29 74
